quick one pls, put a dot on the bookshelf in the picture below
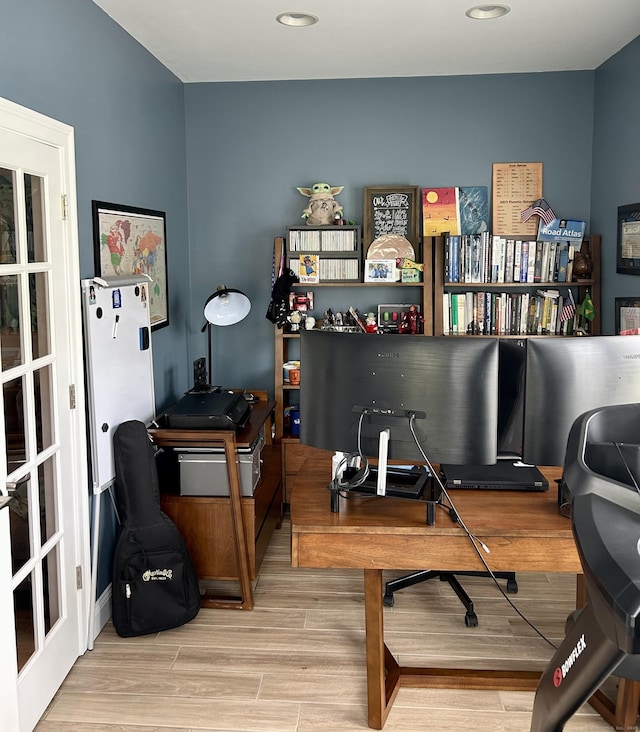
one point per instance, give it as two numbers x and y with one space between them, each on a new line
287 345
480 292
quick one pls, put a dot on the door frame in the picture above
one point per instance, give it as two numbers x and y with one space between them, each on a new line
43 129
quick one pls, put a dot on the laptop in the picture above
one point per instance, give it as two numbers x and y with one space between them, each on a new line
505 475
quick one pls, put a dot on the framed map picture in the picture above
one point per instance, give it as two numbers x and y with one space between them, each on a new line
128 241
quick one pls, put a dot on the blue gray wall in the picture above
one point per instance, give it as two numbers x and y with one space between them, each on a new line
224 160
249 145
616 165
67 59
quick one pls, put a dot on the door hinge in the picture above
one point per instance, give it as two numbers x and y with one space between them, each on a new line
64 206
79 577
72 396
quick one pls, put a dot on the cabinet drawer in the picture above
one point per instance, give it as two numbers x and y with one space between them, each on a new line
269 484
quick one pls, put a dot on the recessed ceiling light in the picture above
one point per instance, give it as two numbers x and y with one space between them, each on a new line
296 19
487 12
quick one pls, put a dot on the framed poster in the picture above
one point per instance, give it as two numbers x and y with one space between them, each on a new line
391 217
628 251
515 186
627 315
129 240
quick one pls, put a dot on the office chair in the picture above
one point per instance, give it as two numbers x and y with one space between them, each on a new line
423 575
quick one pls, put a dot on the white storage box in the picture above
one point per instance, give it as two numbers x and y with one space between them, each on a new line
203 472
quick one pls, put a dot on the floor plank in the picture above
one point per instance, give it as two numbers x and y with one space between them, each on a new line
296 663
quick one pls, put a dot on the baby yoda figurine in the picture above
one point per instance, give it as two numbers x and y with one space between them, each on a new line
323 209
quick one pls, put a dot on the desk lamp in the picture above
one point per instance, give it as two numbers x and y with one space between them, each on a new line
225 306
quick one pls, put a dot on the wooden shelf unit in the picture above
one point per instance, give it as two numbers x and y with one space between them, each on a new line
293 452
591 245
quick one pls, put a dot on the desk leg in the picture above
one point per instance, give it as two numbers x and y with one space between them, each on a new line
245 601
373 609
383 672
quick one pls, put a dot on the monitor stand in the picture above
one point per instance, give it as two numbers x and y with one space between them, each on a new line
383 454
391 481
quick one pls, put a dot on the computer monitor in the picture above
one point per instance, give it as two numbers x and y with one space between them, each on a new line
566 377
512 361
451 384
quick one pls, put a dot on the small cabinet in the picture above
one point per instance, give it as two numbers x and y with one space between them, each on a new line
207 521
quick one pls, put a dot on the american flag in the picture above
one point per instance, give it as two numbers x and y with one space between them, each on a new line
542 209
569 309
568 312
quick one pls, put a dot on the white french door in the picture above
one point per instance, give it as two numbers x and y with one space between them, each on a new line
44 547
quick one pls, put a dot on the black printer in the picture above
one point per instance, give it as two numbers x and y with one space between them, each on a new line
214 410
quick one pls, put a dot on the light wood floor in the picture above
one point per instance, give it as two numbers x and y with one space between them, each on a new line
296 663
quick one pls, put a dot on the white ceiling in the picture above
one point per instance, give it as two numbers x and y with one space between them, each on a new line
239 40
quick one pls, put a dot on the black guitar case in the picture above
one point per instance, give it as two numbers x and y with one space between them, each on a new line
154 583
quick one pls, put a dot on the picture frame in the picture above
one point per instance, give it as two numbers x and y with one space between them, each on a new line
380 270
129 240
628 244
628 315
391 211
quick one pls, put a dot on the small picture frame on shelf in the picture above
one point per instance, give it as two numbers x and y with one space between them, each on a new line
308 269
380 270
628 251
627 315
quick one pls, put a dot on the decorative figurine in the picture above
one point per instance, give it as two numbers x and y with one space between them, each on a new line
411 322
582 266
322 208
370 323
295 318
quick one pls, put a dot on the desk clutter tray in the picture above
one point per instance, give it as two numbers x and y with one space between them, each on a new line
504 475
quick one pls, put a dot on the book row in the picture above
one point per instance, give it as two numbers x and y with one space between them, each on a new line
484 259
313 269
314 240
545 312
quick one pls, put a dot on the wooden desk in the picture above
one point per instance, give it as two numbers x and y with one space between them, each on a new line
524 531
227 536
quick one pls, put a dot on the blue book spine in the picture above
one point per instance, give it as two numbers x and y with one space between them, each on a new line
454 271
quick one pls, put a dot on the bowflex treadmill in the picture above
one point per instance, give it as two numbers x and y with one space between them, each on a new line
602 473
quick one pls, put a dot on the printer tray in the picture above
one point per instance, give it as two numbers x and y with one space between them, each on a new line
209 411
504 475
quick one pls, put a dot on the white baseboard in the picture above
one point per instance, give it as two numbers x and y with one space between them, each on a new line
102 612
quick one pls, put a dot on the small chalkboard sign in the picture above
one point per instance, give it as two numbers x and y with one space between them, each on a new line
391 210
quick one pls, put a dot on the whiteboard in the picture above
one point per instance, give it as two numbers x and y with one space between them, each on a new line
118 364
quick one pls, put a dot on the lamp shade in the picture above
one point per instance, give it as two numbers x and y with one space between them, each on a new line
226 306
